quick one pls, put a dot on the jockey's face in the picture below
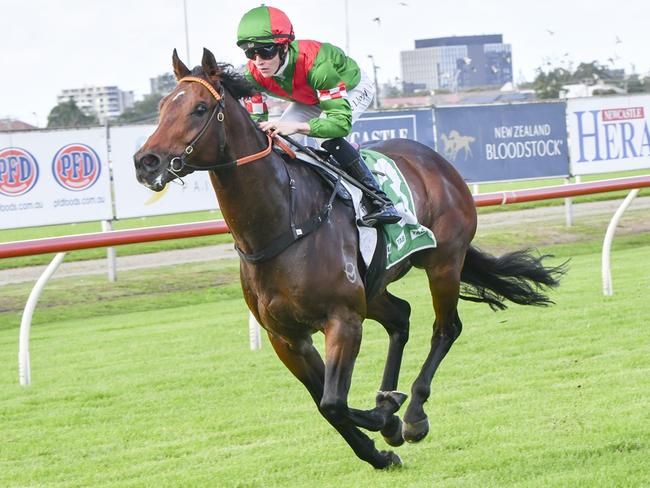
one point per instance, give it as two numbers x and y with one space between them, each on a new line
267 67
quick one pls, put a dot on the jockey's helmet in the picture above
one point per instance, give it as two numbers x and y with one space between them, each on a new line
264 25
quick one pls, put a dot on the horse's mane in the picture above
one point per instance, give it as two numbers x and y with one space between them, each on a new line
234 81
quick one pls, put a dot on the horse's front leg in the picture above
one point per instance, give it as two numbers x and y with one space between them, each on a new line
393 314
342 343
304 361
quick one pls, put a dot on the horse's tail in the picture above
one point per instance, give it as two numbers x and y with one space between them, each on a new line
517 276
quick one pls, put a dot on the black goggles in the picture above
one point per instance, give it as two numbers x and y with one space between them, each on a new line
265 52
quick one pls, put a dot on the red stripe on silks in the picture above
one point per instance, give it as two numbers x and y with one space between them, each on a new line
302 91
279 21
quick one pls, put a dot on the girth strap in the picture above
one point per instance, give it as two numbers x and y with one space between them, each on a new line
295 232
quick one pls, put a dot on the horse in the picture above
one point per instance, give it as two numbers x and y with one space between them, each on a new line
299 283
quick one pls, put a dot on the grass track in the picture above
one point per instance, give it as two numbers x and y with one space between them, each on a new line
160 389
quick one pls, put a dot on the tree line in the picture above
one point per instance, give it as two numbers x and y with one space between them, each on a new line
548 84
68 114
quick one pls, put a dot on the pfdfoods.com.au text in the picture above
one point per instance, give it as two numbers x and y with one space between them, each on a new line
72 202
14 207
59 203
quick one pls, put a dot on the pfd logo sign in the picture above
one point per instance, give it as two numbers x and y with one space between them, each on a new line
18 171
76 167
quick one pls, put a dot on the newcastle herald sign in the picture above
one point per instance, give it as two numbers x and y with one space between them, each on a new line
609 134
504 142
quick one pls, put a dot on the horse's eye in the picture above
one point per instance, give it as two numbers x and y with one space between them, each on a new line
200 109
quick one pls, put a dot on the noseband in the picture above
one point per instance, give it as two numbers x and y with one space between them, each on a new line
178 163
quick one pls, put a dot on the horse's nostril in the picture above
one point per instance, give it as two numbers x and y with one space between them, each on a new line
150 161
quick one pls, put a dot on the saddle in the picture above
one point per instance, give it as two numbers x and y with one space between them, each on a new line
378 250
372 244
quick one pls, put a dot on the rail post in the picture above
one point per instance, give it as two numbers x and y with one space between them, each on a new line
111 255
24 369
607 242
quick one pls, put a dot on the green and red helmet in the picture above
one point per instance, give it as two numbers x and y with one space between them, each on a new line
264 25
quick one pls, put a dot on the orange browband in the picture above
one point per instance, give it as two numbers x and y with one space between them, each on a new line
214 92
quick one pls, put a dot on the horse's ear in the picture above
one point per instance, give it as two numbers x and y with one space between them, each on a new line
180 70
210 66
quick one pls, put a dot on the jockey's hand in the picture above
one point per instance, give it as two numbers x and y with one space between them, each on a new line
278 127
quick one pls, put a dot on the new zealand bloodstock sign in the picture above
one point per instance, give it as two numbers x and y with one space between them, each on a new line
504 142
76 167
18 171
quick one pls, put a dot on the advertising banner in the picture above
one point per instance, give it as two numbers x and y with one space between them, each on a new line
391 124
134 200
609 134
504 142
54 177
383 125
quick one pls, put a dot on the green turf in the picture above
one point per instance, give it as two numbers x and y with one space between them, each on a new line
150 382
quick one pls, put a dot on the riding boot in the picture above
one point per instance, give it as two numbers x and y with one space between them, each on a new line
382 210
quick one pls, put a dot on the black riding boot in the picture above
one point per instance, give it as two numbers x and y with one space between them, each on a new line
382 210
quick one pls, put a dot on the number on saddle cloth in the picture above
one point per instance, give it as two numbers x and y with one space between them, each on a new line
406 236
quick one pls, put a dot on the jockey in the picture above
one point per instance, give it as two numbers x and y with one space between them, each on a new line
327 89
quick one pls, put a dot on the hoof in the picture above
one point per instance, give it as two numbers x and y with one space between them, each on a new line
394 398
391 460
393 432
417 431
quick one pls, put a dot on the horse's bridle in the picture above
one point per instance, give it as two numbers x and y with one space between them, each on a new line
217 112
295 231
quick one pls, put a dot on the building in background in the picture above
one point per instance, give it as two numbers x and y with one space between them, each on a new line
9 124
163 84
106 102
457 63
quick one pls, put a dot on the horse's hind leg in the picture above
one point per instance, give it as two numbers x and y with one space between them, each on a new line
444 283
304 361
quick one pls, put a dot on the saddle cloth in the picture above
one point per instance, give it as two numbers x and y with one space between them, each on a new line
408 235
401 239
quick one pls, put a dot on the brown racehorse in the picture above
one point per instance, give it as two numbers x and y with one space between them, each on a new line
296 285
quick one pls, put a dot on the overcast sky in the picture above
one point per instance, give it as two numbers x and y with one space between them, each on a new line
49 45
